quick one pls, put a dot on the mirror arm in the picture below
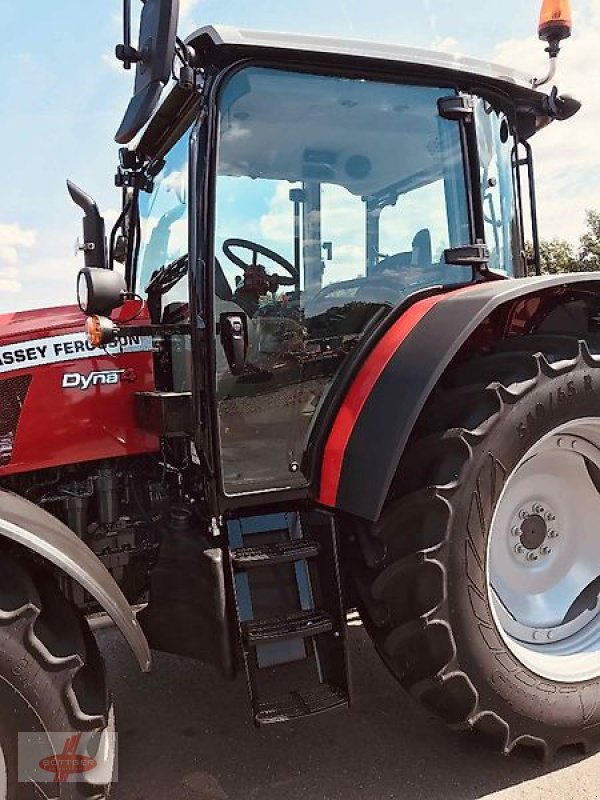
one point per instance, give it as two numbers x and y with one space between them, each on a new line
125 52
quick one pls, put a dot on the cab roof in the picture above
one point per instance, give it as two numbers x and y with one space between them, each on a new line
223 37
217 46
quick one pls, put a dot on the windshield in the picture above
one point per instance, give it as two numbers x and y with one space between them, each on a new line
164 221
336 198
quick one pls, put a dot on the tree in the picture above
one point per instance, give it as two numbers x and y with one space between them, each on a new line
589 249
557 255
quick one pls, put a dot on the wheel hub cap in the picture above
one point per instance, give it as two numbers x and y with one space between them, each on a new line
544 555
533 532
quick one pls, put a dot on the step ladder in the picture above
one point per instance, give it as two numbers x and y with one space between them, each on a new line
292 623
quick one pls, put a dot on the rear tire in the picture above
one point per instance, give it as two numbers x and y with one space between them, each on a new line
430 596
52 679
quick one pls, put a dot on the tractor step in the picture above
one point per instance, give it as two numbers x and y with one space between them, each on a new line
291 616
277 553
292 626
301 703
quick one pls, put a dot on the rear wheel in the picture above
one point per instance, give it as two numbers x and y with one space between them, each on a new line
51 681
484 595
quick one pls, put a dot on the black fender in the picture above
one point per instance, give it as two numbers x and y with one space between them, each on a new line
391 386
38 531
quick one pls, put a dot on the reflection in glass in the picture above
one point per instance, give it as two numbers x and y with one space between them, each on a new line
496 144
345 194
164 221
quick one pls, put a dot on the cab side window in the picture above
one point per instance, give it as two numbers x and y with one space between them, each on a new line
496 144
164 222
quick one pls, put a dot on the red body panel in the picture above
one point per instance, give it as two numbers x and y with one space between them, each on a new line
365 380
80 402
360 389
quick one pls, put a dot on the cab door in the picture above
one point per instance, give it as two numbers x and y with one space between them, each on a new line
306 167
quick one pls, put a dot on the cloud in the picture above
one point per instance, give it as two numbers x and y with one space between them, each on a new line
12 238
186 11
111 62
110 217
343 224
9 281
566 153
35 279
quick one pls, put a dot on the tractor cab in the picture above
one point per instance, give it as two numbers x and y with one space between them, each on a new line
289 196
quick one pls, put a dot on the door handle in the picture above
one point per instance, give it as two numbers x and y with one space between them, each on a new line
234 340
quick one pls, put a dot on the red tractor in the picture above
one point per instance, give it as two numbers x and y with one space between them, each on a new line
309 373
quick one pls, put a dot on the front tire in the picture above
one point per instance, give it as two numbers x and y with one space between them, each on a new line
485 599
52 680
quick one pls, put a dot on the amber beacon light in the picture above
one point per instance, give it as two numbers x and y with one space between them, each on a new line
556 24
556 20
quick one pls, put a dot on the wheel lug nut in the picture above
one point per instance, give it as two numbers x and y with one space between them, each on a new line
532 556
523 514
553 534
516 531
550 517
545 551
538 509
519 549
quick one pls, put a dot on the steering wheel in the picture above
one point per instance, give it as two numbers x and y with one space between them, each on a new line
260 250
165 278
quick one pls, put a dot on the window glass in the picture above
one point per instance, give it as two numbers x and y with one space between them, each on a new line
496 144
335 199
164 221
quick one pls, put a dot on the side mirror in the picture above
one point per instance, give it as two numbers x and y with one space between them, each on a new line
94 236
153 59
100 291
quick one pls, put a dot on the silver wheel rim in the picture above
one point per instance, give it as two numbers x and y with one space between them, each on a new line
543 564
3 776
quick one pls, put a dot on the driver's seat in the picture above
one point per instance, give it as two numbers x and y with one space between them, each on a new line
421 255
422 251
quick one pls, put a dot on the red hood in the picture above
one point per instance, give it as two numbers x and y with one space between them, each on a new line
40 322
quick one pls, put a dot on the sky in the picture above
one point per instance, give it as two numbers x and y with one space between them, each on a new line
63 95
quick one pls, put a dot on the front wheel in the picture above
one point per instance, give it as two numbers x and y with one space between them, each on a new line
485 602
54 707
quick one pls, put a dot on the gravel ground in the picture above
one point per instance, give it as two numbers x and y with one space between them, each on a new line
186 734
